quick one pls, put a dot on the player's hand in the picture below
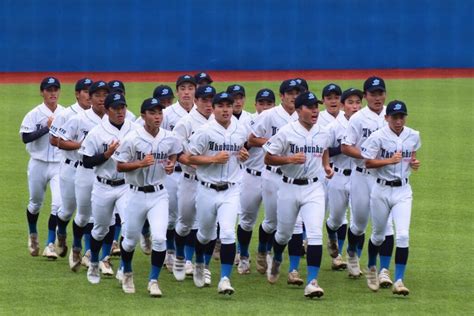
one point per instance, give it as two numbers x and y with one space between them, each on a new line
147 161
112 148
298 158
415 164
329 172
243 154
397 157
169 167
222 157
50 121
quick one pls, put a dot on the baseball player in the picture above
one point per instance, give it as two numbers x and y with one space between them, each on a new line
186 224
251 187
202 79
303 84
300 149
265 126
185 89
361 125
43 166
217 149
164 94
331 97
390 153
146 155
238 94
338 188
117 86
109 187
67 170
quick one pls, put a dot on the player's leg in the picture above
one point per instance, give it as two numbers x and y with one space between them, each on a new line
171 185
295 253
115 251
67 173
83 189
386 250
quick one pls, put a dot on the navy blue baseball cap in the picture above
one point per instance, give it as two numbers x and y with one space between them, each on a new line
331 88
347 93
265 95
396 107
114 100
116 86
221 97
206 91
163 92
236 89
98 85
185 78
49 82
373 84
303 83
151 103
83 84
200 77
307 98
288 85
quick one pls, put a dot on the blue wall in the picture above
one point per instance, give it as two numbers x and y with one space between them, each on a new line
146 35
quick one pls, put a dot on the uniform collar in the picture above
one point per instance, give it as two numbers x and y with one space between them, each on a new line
147 136
43 108
93 116
300 129
280 110
391 133
341 118
199 117
179 110
232 126
127 125
371 114
76 108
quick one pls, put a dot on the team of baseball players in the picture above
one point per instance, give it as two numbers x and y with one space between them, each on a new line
187 176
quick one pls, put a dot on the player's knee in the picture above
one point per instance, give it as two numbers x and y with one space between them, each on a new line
227 236
182 229
205 238
34 208
81 220
269 227
402 239
314 240
247 225
283 238
356 230
158 243
389 229
99 232
128 244
377 239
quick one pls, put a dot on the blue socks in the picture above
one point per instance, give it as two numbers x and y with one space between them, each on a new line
188 253
294 263
385 262
399 271
312 273
154 272
226 269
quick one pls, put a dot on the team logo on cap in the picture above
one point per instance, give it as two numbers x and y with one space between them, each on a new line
332 87
117 97
298 80
202 75
376 82
224 95
208 90
116 84
164 92
51 80
293 83
310 96
154 101
236 88
397 107
87 81
101 84
265 93
186 77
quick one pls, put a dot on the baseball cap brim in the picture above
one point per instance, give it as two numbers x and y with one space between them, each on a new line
375 88
49 85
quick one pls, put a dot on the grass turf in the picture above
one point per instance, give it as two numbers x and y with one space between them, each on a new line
441 247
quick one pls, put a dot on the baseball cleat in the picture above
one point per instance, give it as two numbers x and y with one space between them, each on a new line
372 279
384 279
400 289
274 273
294 278
145 244
93 273
217 250
188 268
207 277
237 259
338 264
333 248
115 250
169 260
198 275
106 267
269 262
75 259
244 266
224 286
262 262
50 252
178 269
313 289
127 283
86 259
154 289
119 275
353 266
33 245
61 246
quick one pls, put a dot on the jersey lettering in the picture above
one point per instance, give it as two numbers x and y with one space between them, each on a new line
384 153
224 147
306 149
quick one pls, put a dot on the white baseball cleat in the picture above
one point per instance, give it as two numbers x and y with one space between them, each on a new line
244 265
353 266
145 244
400 289
384 278
178 269
225 287
338 264
154 289
169 260
237 259
333 248
294 278
93 273
274 273
372 279
216 254
127 283
262 265
313 289
188 268
106 267
119 275
86 259
115 250
33 245
269 262
207 277
61 246
75 259
50 252
198 275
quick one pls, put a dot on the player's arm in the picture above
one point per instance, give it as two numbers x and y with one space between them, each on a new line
351 151
220 158
68 144
31 137
327 165
275 160
414 163
255 141
378 163
98 159
147 161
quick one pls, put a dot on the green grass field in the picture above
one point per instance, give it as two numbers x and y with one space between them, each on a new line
439 272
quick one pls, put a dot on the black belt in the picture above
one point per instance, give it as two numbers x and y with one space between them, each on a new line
394 183
346 172
217 187
80 163
299 181
147 188
277 170
112 183
190 176
254 172
362 170
178 169
70 162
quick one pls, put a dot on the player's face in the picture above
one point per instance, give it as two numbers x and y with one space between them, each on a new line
83 99
396 122
332 103
239 102
117 114
204 106
375 100
203 83
97 101
308 115
153 118
263 105
166 102
186 93
351 105
288 99
223 113
51 95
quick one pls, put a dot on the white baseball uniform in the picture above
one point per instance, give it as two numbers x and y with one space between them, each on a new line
147 197
43 166
325 118
391 193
